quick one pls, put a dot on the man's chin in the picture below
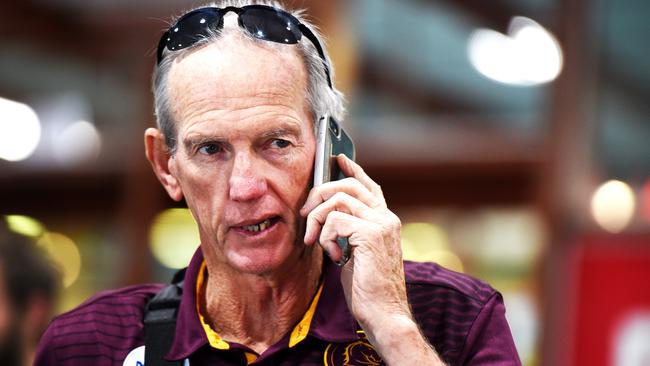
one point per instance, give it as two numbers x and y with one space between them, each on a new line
263 263
280 260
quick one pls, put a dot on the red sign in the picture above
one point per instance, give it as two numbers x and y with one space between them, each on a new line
611 312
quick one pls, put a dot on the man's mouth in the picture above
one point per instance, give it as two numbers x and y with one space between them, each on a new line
260 226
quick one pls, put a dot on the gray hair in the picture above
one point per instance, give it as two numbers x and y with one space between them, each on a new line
322 99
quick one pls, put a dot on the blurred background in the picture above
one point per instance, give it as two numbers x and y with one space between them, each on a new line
511 137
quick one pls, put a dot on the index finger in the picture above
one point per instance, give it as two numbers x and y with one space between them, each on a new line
351 169
351 186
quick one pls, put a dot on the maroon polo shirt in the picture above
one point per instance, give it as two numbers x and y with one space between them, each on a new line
463 318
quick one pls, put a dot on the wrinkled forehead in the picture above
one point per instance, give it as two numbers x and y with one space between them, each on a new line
234 65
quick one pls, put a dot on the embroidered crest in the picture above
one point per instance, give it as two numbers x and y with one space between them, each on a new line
357 353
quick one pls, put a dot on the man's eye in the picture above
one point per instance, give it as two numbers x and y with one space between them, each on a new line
209 149
280 143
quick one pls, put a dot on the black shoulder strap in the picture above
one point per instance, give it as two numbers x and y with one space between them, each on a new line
160 322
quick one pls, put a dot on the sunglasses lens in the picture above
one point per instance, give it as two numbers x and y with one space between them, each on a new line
192 27
270 25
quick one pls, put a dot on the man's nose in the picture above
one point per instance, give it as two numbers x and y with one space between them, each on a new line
246 180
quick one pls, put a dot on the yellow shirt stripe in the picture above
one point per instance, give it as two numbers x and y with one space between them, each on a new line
300 331
250 357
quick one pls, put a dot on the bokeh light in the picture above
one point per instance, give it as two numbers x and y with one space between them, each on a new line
25 225
174 237
424 242
78 142
64 253
613 205
20 130
528 55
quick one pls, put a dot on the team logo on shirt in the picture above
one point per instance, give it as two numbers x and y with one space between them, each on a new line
357 353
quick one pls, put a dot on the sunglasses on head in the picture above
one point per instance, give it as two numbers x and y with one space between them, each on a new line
263 22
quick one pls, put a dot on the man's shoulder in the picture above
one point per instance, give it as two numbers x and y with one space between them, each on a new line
446 305
108 325
123 306
430 277
113 303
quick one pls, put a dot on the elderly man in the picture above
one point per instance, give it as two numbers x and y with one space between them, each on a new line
238 90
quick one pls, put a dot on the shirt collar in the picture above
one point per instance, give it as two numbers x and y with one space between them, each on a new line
333 321
328 317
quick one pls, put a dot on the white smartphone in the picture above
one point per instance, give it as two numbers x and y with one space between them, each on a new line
331 140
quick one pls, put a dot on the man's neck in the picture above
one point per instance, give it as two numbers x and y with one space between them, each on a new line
257 311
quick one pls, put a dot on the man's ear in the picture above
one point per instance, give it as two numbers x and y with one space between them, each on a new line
160 158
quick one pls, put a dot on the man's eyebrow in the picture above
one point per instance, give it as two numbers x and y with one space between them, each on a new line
284 130
193 141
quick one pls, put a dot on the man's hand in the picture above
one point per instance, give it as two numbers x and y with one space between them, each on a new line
373 279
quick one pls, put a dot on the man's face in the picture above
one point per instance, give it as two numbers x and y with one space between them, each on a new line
245 149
